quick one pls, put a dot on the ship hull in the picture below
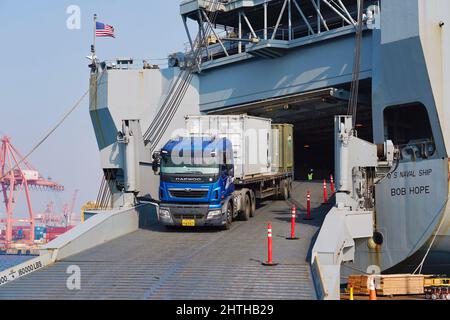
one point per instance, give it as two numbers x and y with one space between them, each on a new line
413 224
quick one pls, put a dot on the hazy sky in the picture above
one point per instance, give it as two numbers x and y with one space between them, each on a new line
44 72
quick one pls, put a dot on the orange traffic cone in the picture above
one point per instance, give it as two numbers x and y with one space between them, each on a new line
373 291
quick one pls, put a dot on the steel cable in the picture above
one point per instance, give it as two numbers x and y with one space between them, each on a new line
172 100
353 102
52 130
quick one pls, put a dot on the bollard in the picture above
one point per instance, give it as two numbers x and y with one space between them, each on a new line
269 262
373 291
352 291
308 207
333 189
325 192
293 220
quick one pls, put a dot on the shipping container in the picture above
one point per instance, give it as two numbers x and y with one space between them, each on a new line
39 233
59 230
251 138
282 148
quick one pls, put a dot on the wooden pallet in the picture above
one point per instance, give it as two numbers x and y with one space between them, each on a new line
388 285
359 284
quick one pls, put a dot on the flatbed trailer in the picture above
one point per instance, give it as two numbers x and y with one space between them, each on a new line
275 185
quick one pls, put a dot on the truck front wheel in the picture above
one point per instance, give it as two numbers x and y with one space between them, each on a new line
229 217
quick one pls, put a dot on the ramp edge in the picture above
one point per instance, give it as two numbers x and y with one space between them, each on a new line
103 227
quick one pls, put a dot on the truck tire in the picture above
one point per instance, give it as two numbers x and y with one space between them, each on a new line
244 215
253 205
285 194
229 214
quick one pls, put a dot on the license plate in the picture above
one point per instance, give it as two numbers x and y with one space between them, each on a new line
188 223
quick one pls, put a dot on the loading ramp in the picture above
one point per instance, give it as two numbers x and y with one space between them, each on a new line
158 264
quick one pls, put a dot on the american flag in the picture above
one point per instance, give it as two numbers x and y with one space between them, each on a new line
104 30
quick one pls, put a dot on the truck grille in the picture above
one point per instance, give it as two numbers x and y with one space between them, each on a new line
197 212
188 194
189 216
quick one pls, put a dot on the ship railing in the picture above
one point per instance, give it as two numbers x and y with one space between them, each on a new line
229 39
213 5
133 63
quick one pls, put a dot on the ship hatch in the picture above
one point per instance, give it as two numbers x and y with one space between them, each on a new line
312 115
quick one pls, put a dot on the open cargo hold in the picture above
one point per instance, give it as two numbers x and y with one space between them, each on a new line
251 138
388 285
282 148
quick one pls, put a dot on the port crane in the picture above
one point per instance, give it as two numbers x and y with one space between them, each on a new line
18 175
68 209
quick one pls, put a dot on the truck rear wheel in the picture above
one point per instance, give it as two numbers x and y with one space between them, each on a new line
253 205
244 215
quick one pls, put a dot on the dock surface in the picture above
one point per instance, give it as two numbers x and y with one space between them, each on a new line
185 264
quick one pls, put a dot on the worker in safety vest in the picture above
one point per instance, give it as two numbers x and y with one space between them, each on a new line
311 175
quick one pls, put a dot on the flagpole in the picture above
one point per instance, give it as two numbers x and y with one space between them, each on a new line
94 48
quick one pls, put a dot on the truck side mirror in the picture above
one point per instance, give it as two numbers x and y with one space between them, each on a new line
155 167
223 170
228 169
231 171
156 164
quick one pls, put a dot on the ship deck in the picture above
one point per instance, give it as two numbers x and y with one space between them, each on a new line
157 264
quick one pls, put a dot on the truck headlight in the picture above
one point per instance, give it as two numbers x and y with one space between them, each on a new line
214 214
164 214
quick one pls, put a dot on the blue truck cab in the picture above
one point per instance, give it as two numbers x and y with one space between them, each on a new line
197 182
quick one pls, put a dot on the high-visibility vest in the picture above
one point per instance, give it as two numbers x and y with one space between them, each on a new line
310 176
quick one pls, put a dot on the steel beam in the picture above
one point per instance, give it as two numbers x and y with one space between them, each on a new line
320 18
240 32
283 9
265 20
203 39
346 11
300 11
290 19
188 33
337 12
215 34
249 25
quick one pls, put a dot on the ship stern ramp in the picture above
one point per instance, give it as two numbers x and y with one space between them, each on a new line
153 263
101 228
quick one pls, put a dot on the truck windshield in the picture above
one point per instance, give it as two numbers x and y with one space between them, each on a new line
179 168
